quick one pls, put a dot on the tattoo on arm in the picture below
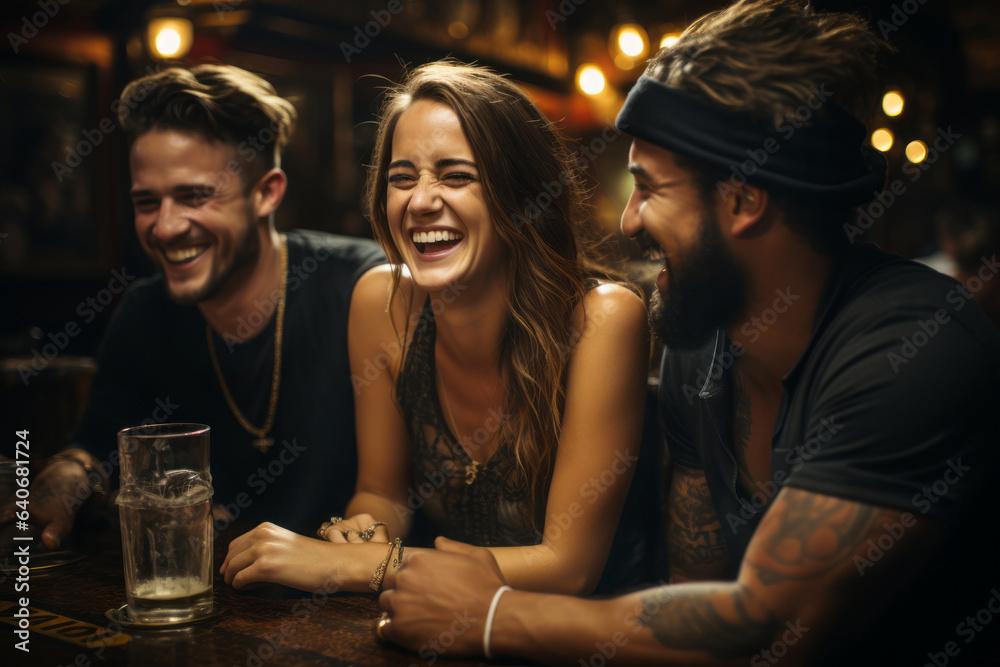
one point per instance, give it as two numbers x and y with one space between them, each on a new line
695 549
723 620
806 541
806 535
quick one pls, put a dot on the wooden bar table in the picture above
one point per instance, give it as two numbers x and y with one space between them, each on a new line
270 625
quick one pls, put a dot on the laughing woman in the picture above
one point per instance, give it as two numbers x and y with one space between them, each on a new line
507 371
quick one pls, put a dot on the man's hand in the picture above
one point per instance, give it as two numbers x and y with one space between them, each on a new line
56 494
441 599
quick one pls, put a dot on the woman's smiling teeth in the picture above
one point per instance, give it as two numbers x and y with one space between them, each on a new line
436 235
181 255
446 237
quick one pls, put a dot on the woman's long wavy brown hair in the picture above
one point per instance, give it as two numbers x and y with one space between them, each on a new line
536 200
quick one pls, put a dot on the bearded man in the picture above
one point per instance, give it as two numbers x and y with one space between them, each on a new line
829 409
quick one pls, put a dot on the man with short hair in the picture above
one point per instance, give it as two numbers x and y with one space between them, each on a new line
244 328
829 409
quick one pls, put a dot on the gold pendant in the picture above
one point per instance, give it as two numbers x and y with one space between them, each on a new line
263 444
471 471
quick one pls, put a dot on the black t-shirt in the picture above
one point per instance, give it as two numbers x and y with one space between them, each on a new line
894 404
154 366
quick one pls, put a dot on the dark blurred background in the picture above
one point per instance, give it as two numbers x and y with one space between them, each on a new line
66 240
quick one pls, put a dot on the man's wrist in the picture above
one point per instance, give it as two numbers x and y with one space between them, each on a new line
488 630
507 637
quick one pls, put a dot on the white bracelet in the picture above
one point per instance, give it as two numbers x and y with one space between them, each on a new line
489 620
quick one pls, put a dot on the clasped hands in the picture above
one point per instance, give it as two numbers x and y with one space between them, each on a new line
445 589
340 530
441 592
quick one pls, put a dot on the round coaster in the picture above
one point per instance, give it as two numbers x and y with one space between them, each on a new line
44 560
120 616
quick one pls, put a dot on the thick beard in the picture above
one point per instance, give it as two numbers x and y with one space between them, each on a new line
706 290
246 254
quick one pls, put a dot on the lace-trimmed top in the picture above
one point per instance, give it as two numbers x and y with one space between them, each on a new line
466 500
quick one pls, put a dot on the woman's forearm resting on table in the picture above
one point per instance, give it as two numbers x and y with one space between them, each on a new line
269 553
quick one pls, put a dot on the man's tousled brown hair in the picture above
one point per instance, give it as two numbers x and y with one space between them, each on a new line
219 102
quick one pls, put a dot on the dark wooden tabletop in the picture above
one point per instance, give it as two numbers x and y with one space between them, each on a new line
268 626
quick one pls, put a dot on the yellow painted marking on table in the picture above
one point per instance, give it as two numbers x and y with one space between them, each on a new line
65 629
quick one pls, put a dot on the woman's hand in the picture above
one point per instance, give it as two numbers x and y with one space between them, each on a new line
269 553
358 528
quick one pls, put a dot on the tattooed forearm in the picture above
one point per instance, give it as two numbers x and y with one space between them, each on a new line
695 548
723 620
806 535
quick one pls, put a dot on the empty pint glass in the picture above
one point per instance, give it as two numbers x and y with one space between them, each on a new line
165 506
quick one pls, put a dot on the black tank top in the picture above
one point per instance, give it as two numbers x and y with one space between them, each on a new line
467 500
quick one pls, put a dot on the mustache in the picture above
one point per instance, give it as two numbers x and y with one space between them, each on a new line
644 240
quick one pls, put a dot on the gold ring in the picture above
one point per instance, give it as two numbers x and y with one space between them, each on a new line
321 531
382 623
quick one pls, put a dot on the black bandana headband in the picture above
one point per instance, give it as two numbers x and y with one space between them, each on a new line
824 161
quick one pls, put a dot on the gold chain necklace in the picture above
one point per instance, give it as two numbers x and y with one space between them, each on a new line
262 441
471 469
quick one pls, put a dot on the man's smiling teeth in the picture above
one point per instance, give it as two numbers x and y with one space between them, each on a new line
656 253
180 255
435 236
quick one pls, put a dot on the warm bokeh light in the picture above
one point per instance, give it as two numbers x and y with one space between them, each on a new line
168 42
590 79
892 103
625 62
631 42
916 151
882 139
458 30
669 40
169 37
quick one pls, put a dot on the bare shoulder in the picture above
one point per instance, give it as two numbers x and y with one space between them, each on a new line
610 320
614 304
374 285
373 297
